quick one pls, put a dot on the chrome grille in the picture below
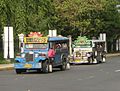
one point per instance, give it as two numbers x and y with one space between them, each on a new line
29 57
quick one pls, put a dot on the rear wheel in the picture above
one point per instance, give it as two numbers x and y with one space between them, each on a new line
64 63
99 59
63 66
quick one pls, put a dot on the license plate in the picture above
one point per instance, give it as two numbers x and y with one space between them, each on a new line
77 61
28 66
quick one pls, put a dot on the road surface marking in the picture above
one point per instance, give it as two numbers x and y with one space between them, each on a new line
90 77
80 79
117 70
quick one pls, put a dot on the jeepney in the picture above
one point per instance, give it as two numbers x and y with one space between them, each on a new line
86 51
34 53
81 49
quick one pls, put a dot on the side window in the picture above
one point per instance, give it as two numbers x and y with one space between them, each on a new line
64 45
58 46
61 46
52 45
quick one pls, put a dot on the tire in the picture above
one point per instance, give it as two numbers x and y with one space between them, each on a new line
99 59
18 71
38 70
63 66
64 63
89 60
45 67
24 70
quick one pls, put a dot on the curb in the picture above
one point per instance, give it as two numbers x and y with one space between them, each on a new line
6 67
112 54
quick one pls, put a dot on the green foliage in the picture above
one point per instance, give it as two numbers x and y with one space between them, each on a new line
111 21
25 15
2 60
86 17
69 17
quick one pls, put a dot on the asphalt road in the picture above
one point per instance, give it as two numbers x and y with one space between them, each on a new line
100 77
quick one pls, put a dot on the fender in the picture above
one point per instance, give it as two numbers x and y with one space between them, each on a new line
39 59
21 60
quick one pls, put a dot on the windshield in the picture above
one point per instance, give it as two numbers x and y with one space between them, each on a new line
36 46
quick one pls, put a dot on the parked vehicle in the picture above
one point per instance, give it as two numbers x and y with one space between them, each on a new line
87 51
34 54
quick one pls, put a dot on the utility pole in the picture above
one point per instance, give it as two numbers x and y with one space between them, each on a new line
8 39
8 36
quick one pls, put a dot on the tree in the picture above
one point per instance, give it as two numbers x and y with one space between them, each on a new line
69 17
26 15
77 16
85 17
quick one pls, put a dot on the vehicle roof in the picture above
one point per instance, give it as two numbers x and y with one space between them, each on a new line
98 40
58 38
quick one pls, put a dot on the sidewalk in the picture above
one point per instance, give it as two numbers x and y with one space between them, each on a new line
11 66
112 54
6 66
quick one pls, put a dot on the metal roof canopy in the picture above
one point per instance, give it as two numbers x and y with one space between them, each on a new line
98 40
57 38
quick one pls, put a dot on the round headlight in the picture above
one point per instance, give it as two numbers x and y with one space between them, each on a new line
36 55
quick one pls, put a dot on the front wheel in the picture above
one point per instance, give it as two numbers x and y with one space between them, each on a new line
63 66
19 71
45 67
